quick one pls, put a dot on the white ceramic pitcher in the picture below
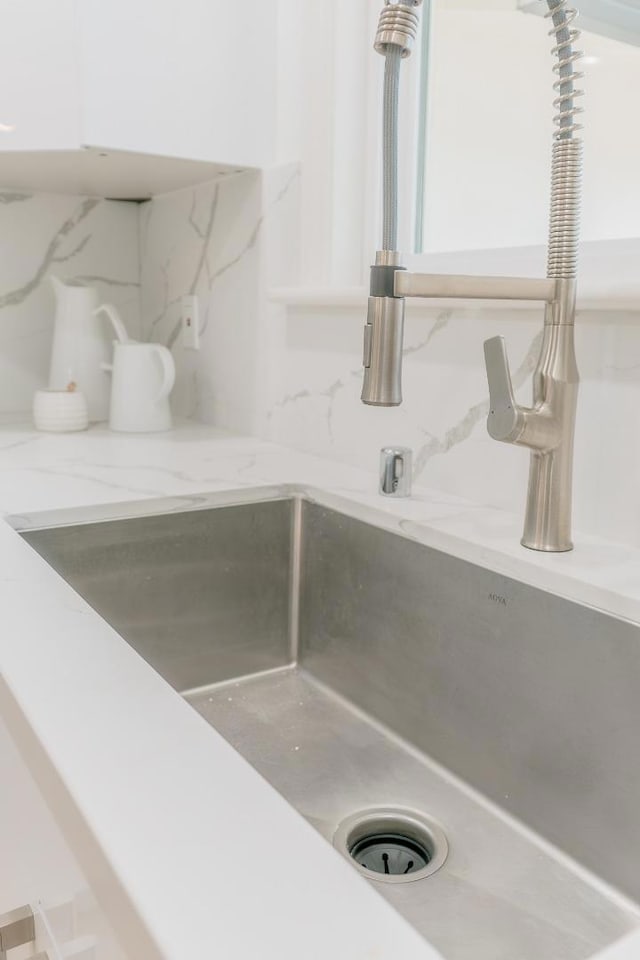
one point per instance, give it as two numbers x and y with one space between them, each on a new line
143 377
81 345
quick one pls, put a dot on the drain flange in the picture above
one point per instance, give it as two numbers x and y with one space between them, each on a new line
392 844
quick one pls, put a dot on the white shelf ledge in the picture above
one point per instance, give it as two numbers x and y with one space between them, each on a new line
608 279
356 298
102 172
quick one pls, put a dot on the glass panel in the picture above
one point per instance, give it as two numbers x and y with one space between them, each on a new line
486 115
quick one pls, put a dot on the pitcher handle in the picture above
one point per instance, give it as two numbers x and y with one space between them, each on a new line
116 321
168 370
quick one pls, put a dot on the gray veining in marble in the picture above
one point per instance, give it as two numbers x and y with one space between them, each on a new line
51 256
8 196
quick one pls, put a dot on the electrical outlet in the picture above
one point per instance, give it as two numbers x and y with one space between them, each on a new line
190 322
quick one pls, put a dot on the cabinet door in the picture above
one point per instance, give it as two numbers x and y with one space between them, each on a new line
182 78
39 84
37 868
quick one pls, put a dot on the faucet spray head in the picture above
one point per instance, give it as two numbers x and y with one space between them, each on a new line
383 335
382 384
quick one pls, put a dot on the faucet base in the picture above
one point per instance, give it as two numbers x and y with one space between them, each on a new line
546 548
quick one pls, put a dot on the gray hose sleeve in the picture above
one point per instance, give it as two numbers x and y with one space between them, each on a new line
390 150
390 143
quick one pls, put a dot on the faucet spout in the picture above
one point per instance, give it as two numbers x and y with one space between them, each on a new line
547 427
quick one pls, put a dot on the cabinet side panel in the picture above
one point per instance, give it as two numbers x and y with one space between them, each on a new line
39 869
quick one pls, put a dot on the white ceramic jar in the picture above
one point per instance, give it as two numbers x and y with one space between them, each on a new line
60 411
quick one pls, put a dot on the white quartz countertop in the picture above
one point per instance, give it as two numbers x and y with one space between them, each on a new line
105 735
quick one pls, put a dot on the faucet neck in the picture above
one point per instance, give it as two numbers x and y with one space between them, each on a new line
561 311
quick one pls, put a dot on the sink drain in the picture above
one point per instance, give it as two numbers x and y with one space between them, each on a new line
390 854
392 844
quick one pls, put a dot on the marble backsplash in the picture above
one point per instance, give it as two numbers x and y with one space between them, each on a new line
224 241
292 373
74 238
443 416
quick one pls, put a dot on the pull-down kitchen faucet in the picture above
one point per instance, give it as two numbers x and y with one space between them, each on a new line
547 427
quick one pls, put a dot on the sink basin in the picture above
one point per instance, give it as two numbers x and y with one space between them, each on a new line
467 741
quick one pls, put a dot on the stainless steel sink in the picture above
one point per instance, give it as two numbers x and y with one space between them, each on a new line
378 682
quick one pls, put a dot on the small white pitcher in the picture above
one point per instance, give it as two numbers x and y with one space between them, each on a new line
143 377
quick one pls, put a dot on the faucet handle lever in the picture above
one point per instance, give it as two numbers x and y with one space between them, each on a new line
504 421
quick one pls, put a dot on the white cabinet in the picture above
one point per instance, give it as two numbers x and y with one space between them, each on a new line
184 78
129 89
37 868
38 75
